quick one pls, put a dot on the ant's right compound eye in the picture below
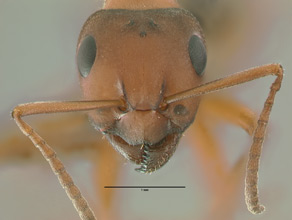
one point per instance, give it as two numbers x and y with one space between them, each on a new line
198 55
86 55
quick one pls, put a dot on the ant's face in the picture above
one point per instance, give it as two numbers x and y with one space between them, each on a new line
142 57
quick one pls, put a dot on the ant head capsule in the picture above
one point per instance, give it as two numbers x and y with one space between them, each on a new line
115 60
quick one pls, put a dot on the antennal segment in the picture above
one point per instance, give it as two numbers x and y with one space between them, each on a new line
251 181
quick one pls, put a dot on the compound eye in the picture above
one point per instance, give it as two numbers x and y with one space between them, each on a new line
86 55
198 54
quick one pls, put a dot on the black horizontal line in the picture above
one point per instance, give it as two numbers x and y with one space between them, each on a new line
145 187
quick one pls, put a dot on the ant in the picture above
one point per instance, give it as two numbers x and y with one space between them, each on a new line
141 66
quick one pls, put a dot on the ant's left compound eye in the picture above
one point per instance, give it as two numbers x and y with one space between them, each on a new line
198 54
86 55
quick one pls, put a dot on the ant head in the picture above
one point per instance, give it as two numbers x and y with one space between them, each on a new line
142 56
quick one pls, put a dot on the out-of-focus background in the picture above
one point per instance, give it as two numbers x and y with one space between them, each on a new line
37 62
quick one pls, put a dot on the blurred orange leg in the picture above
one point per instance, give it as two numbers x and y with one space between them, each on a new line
106 167
223 182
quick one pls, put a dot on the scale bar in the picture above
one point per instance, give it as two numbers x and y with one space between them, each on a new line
145 187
